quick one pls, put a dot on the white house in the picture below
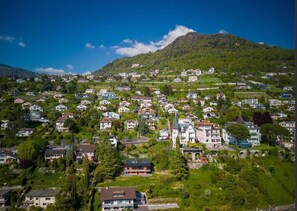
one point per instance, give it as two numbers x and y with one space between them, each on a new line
81 107
290 125
254 131
89 91
131 124
192 95
100 108
25 132
193 78
184 130
274 102
104 102
111 115
85 102
207 109
105 123
123 110
35 108
8 156
172 111
85 150
40 198
208 133
124 103
61 108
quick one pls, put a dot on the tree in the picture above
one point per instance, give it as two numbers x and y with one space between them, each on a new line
178 165
257 118
270 133
146 91
232 113
109 161
238 131
26 153
143 128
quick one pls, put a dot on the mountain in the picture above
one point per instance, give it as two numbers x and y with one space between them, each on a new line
6 70
225 52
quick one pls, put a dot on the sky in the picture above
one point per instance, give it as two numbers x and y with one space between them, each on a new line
78 36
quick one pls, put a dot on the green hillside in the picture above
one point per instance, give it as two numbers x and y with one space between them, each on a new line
16 72
225 52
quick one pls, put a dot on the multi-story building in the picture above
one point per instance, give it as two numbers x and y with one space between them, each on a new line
40 198
254 131
137 167
120 198
291 128
208 133
184 130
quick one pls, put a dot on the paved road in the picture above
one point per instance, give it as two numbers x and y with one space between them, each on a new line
162 206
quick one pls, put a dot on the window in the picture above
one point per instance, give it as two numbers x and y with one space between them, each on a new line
47 198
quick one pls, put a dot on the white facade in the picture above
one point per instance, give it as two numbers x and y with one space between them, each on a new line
208 134
184 129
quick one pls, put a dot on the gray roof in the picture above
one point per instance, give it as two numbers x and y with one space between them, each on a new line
4 191
42 193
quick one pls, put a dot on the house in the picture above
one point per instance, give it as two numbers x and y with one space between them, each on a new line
172 111
41 100
111 115
100 108
221 96
8 156
168 106
145 104
104 102
254 131
286 95
25 132
147 113
109 96
4 124
177 80
89 91
288 88
63 100
208 133
184 130
290 125
102 91
123 110
122 88
82 96
85 102
61 108
207 109
40 198
164 135
19 101
192 95
120 198
26 105
58 96
4 197
54 153
141 99
105 123
85 150
208 115
113 140
192 78
274 102
35 108
60 127
187 108
137 167
124 103
131 124
81 107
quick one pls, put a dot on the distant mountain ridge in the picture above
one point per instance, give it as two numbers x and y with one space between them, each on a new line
8 71
194 50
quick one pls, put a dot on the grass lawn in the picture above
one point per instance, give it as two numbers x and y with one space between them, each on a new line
250 94
40 180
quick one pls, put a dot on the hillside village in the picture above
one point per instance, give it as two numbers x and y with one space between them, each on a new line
65 139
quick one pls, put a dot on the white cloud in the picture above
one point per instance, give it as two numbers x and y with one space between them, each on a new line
87 73
115 47
69 66
22 44
128 41
89 45
50 70
101 46
223 31
261 43
7 38
139 48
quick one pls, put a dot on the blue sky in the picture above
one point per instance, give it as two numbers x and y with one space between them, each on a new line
78 36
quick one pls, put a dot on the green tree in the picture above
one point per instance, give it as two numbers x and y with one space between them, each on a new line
178 165
109 161
238 131
27 153
270 133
